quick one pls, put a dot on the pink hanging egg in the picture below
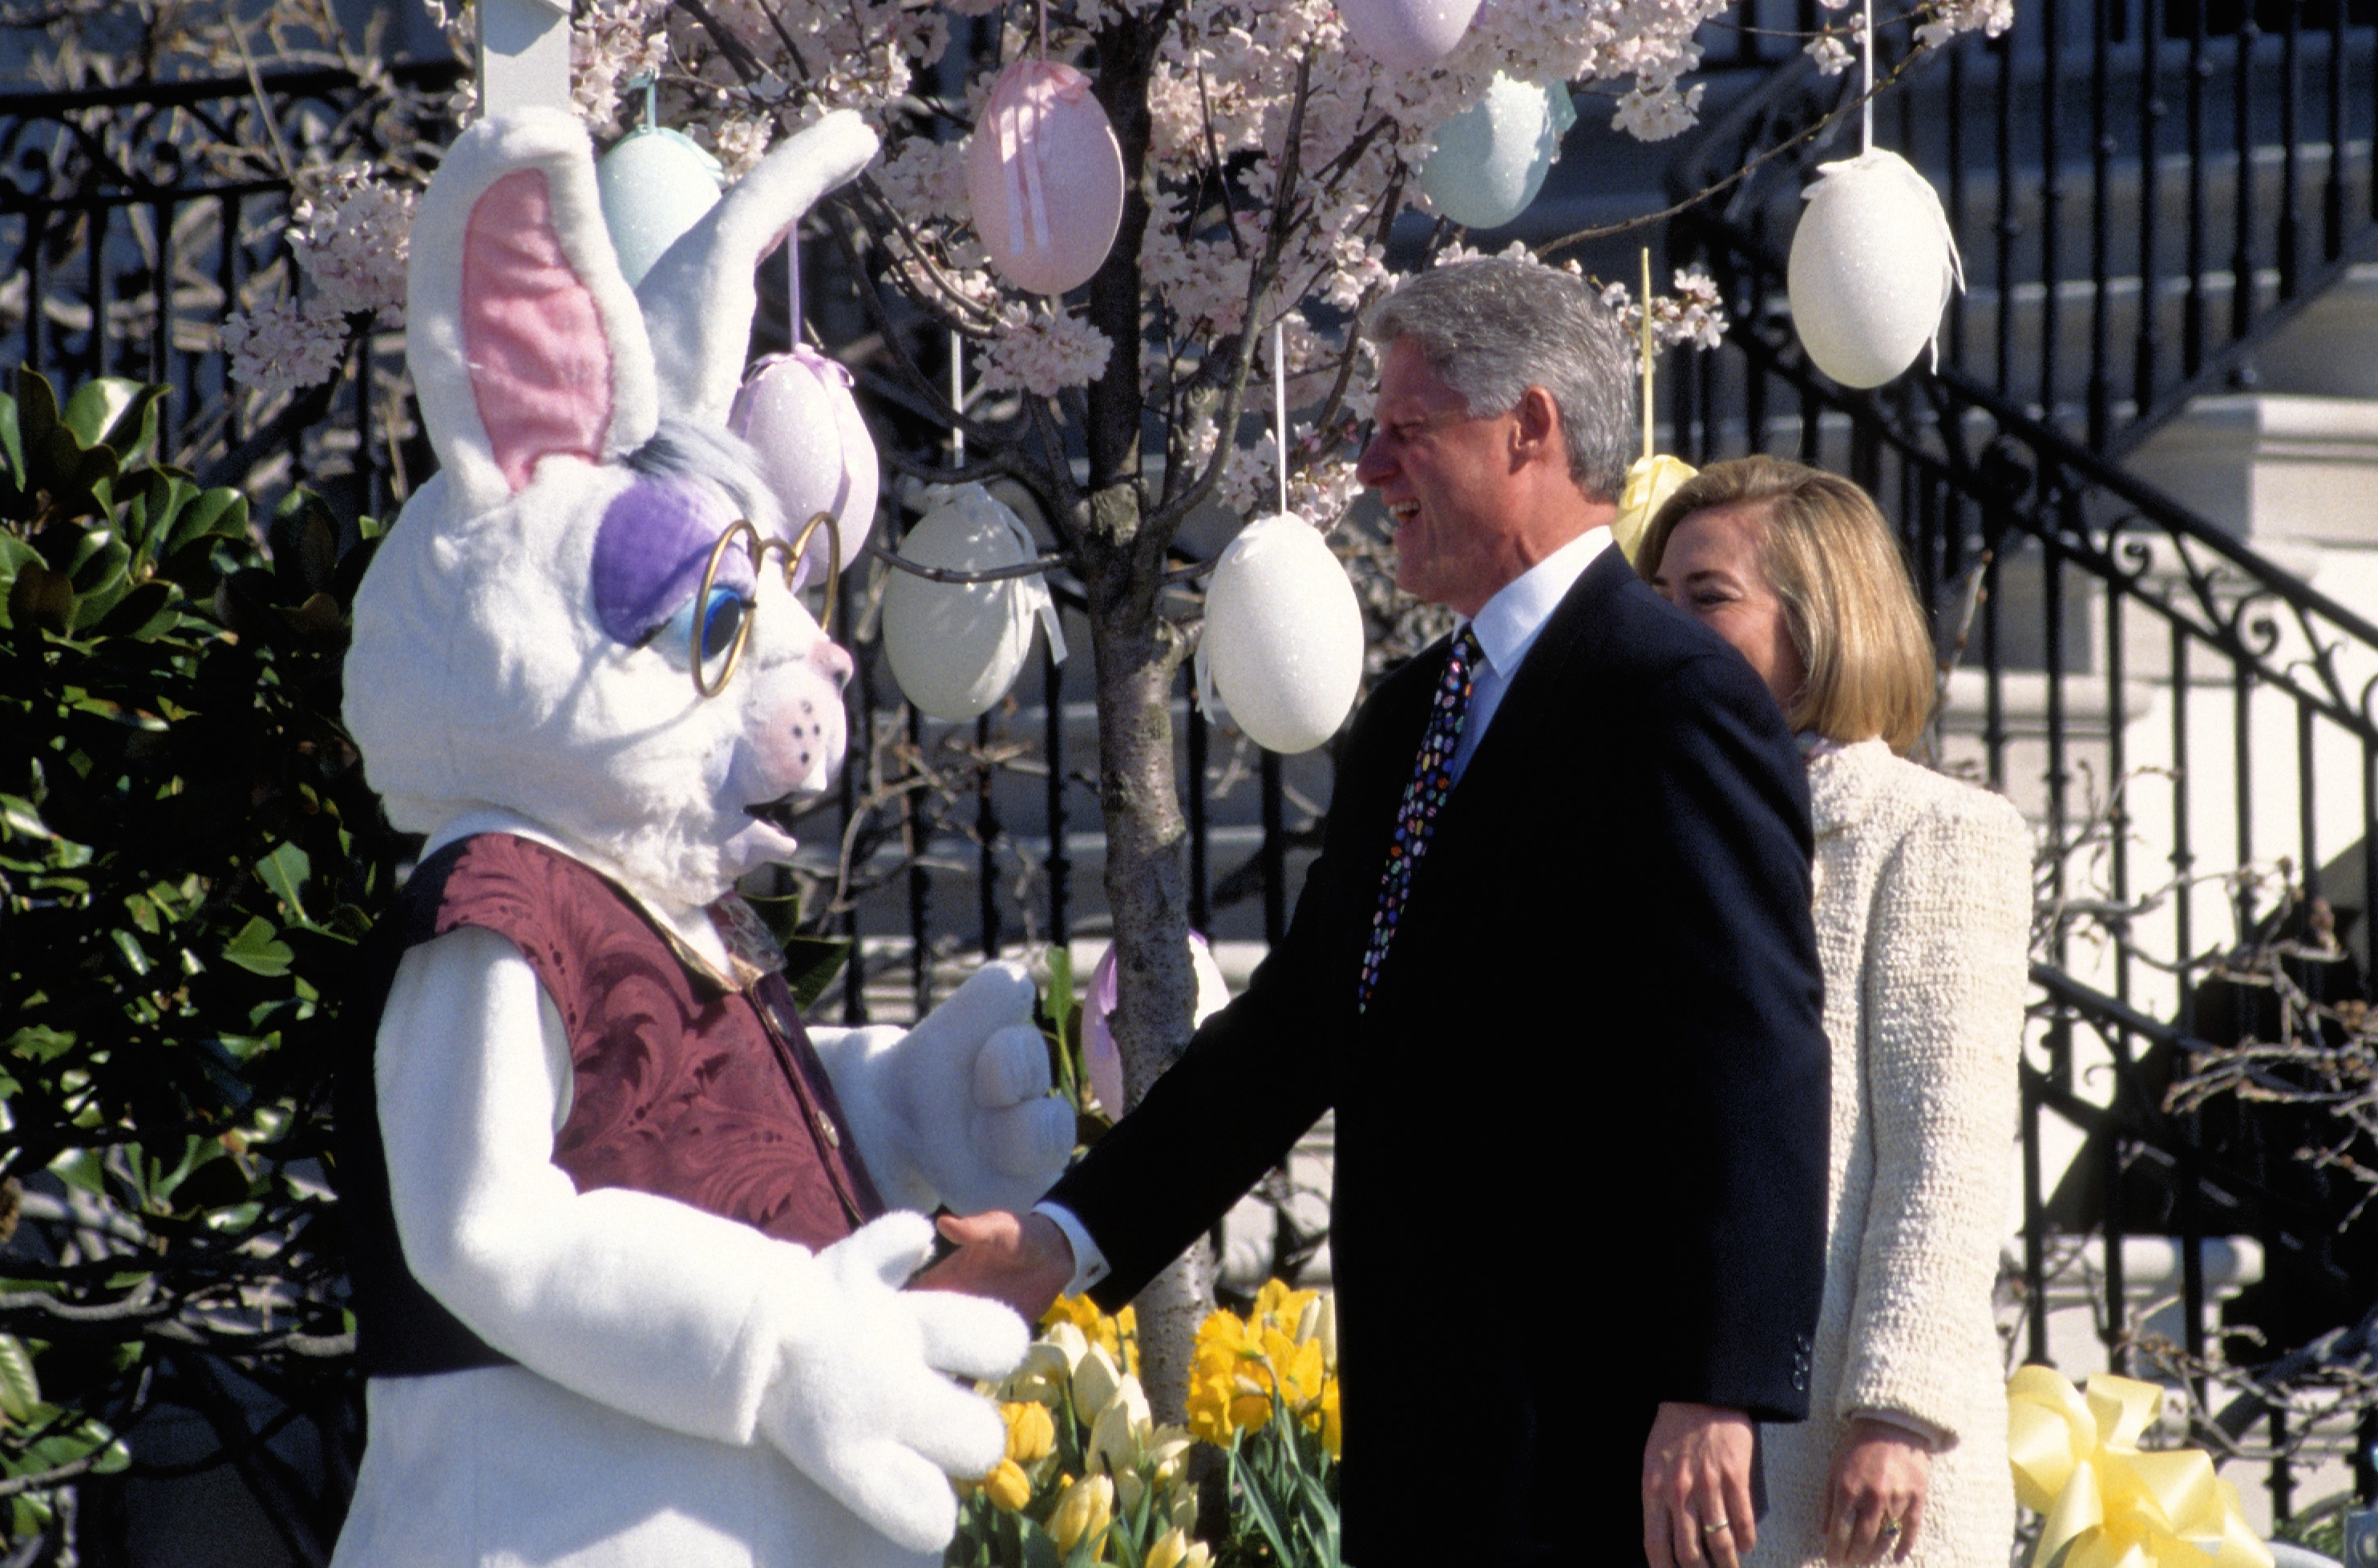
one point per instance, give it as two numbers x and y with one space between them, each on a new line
1407 35
797 411
1044 175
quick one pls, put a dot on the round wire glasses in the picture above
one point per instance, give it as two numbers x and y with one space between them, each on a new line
759 549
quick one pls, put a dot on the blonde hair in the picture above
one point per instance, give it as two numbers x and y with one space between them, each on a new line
1847 602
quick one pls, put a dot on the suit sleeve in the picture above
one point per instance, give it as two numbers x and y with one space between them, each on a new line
1256 1076
1944 980
1730 1001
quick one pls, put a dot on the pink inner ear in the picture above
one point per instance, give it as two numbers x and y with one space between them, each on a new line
540 365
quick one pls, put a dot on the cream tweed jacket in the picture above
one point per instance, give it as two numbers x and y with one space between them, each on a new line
1923 913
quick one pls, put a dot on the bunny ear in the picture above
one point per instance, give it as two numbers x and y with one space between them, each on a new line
698 297
523 338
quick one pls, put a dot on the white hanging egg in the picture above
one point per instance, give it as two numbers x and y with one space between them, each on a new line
957 647
654 184
1407 35
1283 642
797 411
1872 265
1044 177
1491 158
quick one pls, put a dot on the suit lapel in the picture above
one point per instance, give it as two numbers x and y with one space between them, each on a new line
1531 699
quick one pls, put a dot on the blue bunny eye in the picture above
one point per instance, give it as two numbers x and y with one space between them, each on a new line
722 617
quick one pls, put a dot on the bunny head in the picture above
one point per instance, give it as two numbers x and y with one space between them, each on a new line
529 637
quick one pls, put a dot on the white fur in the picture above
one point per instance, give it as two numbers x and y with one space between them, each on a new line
689 1392
555 144
955 1110
698 298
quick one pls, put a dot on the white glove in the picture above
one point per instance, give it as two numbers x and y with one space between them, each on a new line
957 1109
860 1401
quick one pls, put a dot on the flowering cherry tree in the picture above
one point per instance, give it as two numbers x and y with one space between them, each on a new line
1266 156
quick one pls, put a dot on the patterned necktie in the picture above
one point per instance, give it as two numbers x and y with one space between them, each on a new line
1432 782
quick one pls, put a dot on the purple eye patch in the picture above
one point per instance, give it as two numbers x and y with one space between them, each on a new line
650 554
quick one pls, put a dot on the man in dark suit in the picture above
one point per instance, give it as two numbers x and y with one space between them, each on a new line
1554 971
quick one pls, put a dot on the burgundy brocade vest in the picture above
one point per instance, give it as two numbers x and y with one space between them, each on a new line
681 1086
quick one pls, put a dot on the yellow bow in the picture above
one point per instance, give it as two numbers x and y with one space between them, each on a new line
2076 1460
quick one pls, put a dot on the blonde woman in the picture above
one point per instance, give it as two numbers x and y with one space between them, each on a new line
1923 906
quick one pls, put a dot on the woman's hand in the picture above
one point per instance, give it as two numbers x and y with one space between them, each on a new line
1874 1499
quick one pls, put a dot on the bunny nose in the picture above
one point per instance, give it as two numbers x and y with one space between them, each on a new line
830 661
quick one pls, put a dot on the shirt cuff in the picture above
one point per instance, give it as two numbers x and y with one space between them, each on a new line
1090 1264
1923 1431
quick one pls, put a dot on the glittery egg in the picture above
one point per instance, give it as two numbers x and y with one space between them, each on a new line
1491 158
1044 177
957 647
1872 265
655 186
797 411
1407 35
1283 642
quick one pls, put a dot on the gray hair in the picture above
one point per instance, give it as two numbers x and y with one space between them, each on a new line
1495 326
680 448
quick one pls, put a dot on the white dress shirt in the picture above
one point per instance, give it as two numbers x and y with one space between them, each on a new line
1508 626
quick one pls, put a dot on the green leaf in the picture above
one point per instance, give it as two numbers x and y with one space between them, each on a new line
23 818
305 537
19 1389
811 964
285 871
81 1167
12 445
255 950
102 404
39 1042
217 513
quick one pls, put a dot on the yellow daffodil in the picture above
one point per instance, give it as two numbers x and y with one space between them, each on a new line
1116 1335
1031 1433
1325 1333
1332 1437
1278 1304
1083 1514
1008 1487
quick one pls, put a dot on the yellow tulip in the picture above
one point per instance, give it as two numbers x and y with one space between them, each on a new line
1170 1550
1332 1437
1096 1378
1030 1431
1008 1487
1117 1435
1200 1556
1083 1514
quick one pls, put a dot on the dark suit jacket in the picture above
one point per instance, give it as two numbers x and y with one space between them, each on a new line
1581 1126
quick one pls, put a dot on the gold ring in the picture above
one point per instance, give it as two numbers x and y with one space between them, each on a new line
832 566
1891 1526
1713 1528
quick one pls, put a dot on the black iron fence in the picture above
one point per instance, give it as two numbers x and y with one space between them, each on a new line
2144 196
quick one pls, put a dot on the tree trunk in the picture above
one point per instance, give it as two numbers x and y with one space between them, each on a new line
1138 657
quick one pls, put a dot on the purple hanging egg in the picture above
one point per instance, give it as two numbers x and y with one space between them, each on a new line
797 411
1407 35
1044 175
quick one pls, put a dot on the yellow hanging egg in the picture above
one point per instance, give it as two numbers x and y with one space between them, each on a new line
1650 482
